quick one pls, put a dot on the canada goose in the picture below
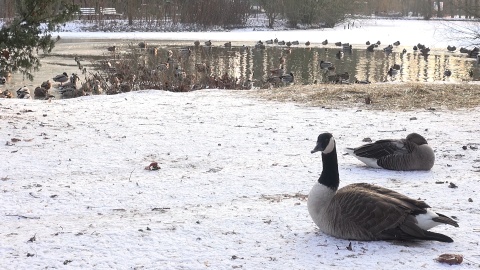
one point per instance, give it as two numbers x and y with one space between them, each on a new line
409 154
392 72
339 54
208 43
366 212
282 42
378 42
370 48
277 72
338 43
23 92
47 85
325 42
40 92
228 44
287 78
425 51
61 78
185 52
474 52
396 43
367 43
307 43
142 45
347 47
275 40
72 83
288 43
72 92
325 65
112 48
270 41
6 94
196 43
260 46
295 42
415 48
451 48
343 76
388 49
362 82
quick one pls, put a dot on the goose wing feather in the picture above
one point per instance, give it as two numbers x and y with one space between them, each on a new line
399 160
384 148
373 212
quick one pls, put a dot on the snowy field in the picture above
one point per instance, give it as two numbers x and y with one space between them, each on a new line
231 189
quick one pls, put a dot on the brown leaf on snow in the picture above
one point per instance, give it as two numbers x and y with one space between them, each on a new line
450 259
15 140
152 167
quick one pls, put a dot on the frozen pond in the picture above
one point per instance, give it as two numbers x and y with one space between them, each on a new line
255 64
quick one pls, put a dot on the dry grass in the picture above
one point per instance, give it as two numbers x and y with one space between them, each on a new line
383 96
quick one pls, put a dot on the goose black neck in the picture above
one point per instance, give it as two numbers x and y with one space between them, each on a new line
329 176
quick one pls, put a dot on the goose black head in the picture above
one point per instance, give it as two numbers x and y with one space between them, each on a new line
416 138
325 143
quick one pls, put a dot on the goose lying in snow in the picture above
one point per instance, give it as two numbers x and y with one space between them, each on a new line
366 212
410 154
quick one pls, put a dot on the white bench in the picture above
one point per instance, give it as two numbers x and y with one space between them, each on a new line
109 12
89 12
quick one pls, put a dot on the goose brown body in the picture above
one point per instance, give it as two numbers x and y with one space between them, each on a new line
410 154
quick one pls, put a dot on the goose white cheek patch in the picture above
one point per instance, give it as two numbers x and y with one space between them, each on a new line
330 146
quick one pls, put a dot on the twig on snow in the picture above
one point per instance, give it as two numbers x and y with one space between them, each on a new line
21 216
397 130
130 175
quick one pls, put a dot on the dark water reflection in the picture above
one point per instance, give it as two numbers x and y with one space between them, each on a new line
255 64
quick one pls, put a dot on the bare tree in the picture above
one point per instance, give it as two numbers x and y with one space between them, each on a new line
273 10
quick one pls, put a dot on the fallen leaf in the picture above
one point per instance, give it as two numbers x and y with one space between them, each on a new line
450 259
152 167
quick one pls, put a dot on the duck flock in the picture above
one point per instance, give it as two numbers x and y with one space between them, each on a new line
363 211
117 82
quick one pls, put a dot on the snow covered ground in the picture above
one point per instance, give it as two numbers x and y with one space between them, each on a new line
231 190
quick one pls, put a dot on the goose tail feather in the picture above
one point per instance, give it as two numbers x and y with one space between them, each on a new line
437 237
445 220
